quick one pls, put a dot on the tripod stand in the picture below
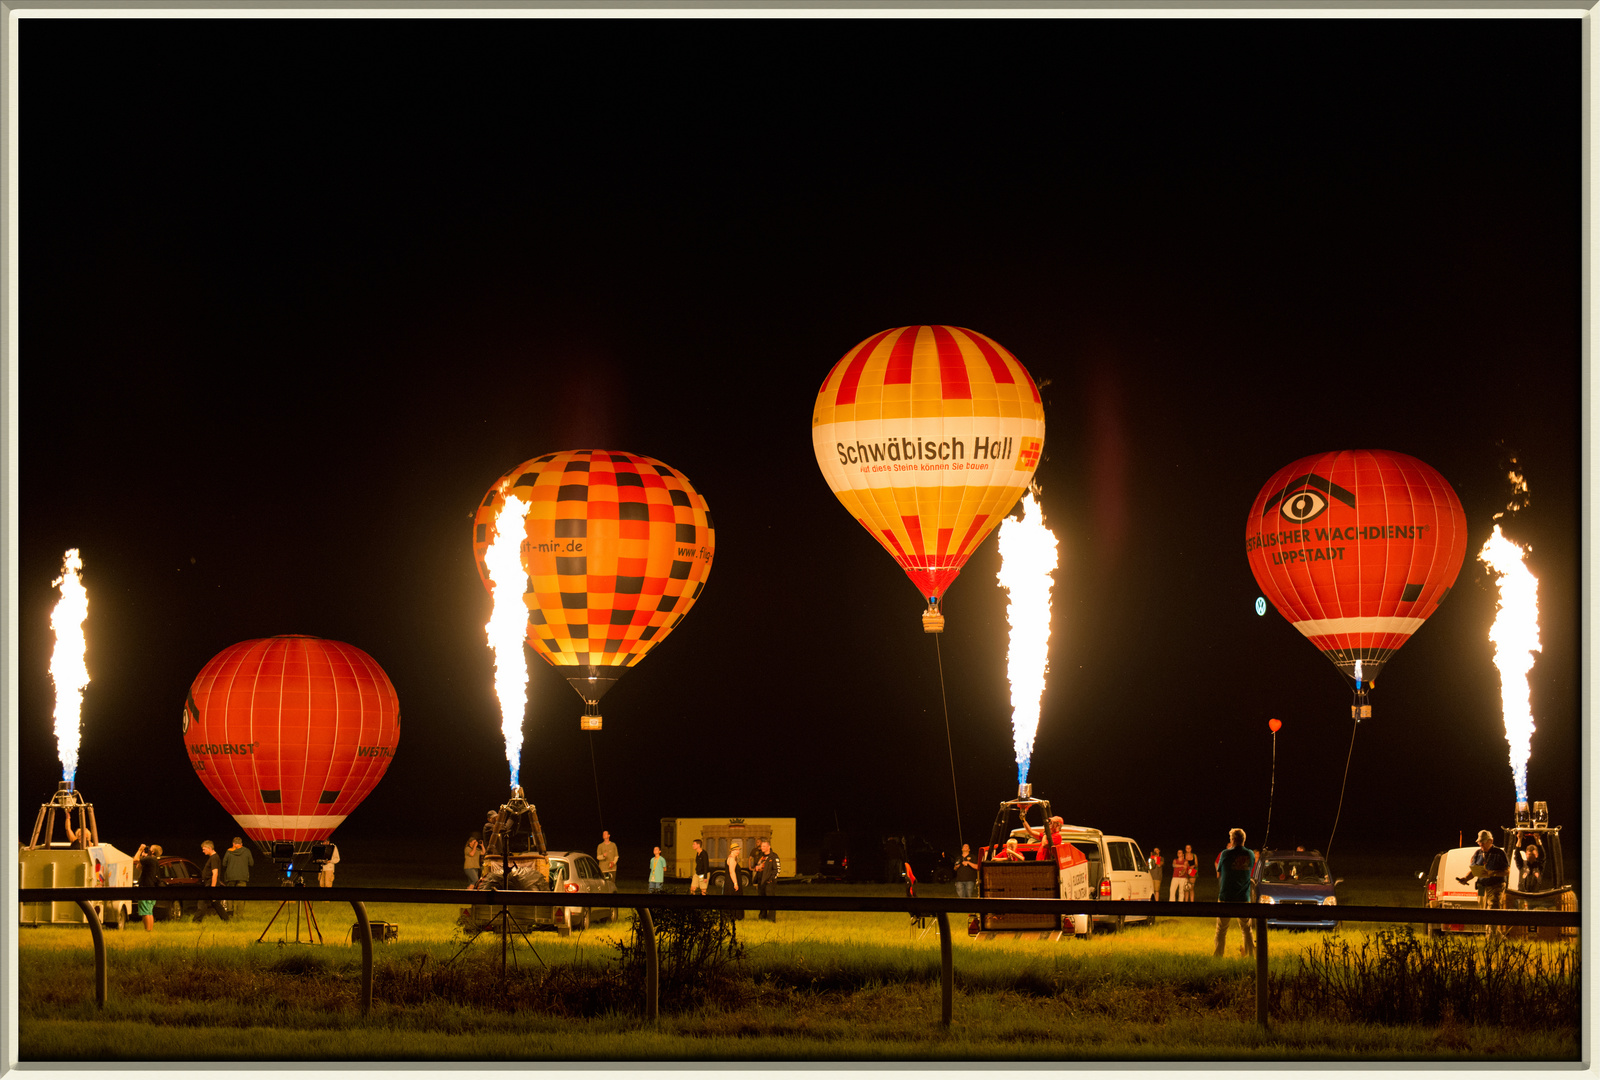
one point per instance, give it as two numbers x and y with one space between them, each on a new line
311 924
505 924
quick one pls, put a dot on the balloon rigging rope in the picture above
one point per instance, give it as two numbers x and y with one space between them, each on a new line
1342 783
939 653
598 812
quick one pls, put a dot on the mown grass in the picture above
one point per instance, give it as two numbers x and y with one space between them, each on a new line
811 987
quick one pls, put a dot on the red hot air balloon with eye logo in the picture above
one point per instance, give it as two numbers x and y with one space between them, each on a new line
290 733
1356 548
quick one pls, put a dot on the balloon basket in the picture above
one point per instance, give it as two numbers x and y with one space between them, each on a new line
589 723
932 622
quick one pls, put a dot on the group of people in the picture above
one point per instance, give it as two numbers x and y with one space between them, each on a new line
1185 868
228 869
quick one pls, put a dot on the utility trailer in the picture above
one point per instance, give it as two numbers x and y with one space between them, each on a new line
80 861
1038 865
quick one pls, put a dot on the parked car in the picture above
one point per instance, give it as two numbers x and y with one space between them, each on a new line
1117 869
1296 877
1445 891
174 870
567 872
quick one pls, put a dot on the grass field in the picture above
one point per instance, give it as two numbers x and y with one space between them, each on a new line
813 986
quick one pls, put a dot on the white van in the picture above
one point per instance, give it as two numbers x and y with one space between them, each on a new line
1445 891
1117 868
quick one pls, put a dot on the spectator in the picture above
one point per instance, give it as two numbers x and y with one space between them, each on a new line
606 856
1234 867
1009 853
658 870
472 863
702 870
1488 874
1194 872
210 877
1155 864
237 863
766 875
325 874
1532 867
730 887
1180 876
149 860
966 874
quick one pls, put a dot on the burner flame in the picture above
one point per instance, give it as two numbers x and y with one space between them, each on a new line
508 622
1028 559
68 669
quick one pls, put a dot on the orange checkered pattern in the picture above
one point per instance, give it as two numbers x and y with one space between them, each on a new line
928 435
617 549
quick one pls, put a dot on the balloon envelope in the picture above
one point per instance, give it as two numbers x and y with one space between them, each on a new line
1356 548
617 548
928 435
290 733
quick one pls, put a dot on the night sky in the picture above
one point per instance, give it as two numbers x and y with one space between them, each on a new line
295 294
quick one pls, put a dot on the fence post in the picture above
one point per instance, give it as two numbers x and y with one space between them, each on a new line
99 935
947 973
1261 970
652 967
366 955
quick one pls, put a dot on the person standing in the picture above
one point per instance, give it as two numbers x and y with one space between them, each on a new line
210 877
730 887
1490 881
1155 865
325 875
1180 876
1194 872
966 874
1233 868
606 856
472 860
237 863
149 860
702 870
767 876
658 870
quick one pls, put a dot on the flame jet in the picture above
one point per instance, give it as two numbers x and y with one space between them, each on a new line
68 670
507 624
1515 635
1028 560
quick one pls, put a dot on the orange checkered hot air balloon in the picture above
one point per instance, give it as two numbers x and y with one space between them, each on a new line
929 435
1356 548
617 547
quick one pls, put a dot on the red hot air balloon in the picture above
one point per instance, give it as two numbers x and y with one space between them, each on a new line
290 733
1356 548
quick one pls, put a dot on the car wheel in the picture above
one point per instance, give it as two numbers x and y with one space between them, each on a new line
119 917
718 882
577 920
562 929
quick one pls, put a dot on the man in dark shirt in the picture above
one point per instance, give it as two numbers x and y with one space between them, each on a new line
149 860
966 874
702 870
1491 880
211 877
237 863
1234 867
766 871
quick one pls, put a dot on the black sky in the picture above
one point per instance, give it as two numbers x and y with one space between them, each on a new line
295 293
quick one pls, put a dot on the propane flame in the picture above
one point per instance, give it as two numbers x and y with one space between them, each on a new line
1516 638
1027 560
67 668
1519 492
508 622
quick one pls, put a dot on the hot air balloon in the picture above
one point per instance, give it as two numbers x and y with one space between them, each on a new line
928 435
1356 548
290 733
617 550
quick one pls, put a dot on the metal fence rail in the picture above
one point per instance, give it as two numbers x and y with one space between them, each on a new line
939 908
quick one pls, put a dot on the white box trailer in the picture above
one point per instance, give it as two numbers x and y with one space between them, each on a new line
717 834
66 866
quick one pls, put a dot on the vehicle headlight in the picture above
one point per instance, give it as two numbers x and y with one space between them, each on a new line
1330 900
1266 900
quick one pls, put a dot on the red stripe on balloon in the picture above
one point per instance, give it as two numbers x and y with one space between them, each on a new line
852 374
899 370
913 526
972 530
997 366
953 382
944 541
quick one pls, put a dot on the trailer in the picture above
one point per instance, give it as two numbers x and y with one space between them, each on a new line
717 835
80 861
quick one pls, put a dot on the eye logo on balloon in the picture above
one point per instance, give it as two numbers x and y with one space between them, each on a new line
1303 506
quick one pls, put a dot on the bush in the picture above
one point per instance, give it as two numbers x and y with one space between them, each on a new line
1394 977
696 951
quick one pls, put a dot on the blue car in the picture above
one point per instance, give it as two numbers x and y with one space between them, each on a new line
1297 877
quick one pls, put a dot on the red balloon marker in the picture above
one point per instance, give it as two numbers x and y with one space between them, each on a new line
290 733
1274 724
1356 548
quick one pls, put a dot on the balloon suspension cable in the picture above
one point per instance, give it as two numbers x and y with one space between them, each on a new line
599 813
939 654
1356 723
1272 787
